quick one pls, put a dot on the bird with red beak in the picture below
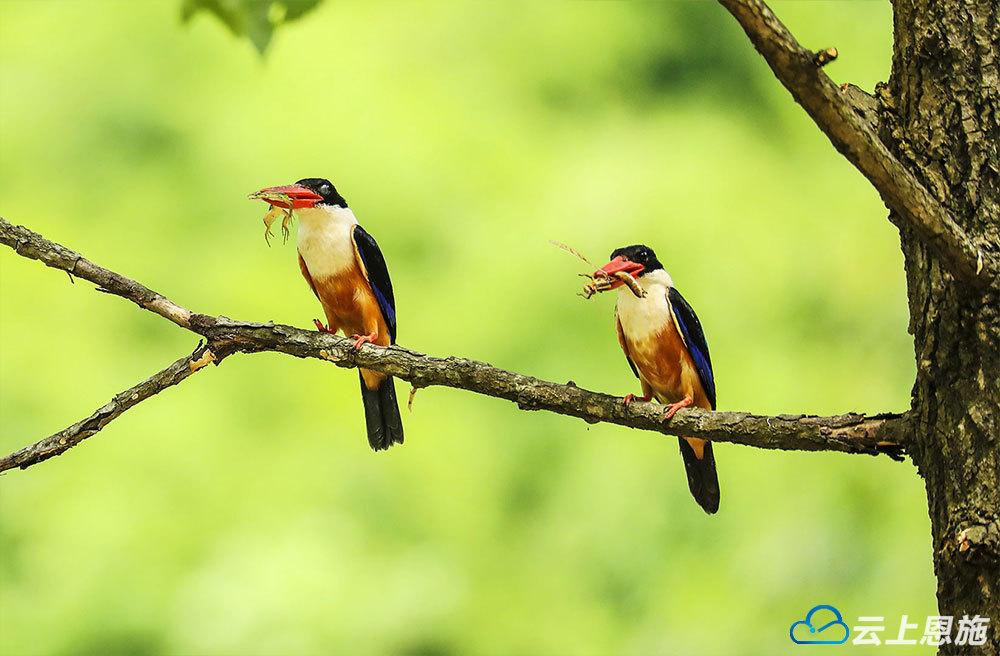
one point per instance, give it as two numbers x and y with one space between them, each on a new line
346 271
666 348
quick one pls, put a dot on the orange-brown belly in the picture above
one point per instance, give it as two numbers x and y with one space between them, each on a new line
350 305
665 365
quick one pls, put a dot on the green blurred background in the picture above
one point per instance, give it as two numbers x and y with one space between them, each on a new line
242 512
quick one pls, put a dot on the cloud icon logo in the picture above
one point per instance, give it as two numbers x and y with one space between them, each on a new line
824 620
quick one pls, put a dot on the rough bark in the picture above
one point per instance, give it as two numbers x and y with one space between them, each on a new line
928 142
940 115
849 433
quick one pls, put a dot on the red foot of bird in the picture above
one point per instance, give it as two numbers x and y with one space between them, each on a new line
361 339
320 326
674 407
632 397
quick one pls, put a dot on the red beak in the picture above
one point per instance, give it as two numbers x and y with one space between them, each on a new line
288 196
619 264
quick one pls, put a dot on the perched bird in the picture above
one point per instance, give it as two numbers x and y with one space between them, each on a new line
666 348
345 269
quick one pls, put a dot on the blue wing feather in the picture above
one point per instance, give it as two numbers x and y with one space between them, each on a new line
378 277
694 338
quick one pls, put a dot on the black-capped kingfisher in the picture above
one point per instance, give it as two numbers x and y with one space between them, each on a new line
665 345
345 269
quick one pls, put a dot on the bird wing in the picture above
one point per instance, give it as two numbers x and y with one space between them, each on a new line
375 271
624 344
305 274
694 340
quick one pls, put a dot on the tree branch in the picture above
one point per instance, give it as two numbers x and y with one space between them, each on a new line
33 246
855 137
849 433
81 430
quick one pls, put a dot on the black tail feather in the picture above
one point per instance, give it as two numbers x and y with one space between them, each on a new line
385 426
391 420
703 481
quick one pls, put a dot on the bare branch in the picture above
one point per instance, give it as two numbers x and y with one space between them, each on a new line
849 433
855 137
81 430
32 245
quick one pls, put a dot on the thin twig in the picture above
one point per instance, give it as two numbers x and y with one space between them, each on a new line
81 430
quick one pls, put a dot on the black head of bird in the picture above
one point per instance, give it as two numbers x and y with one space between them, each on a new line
306 193
637 261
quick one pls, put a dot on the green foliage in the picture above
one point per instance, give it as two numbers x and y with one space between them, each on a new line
243 513
255 19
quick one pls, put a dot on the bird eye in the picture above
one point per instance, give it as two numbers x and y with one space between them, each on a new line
324 189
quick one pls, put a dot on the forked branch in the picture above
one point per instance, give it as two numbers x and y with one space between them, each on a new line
849 433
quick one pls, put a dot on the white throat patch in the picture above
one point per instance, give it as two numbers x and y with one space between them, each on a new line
644 317
324 240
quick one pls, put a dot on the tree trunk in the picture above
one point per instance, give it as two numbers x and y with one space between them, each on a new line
939 114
